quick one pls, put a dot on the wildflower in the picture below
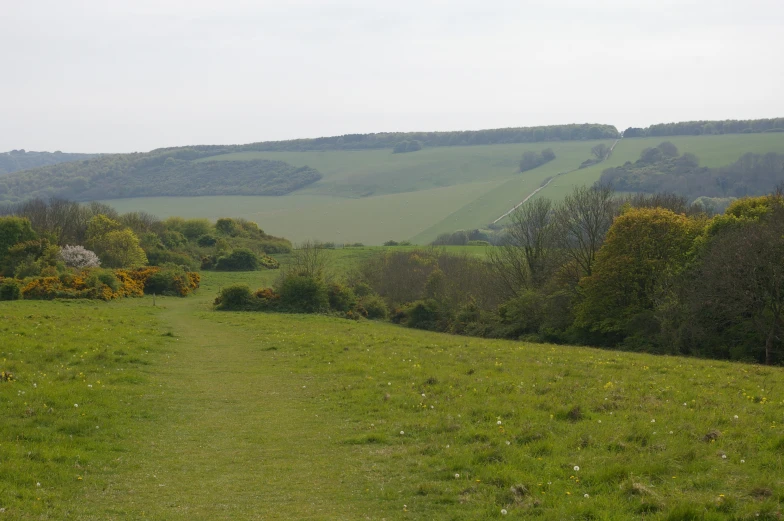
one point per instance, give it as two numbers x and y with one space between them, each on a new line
653 421
508 442
38 484
457 476
600 421
503 512
743 461
76 405
498 422
576 468
586 496
402 433
736 416
723 456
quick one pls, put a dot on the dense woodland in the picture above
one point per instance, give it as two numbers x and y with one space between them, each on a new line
663 169
645 273
708 128
155 174
17 160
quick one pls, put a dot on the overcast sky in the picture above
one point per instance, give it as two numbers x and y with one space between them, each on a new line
120 76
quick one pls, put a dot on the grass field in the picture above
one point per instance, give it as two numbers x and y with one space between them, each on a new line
215 415
373 196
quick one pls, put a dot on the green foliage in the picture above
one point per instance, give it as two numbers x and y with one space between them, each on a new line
696 128
375 307
194 228
116 246
101 277
303 294
660 169
14 230
241 259
161 172
171 280
341 298
643 246
10 289
407 146
532 160
17 160
237 297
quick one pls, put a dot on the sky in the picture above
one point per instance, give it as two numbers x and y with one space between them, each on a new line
123 76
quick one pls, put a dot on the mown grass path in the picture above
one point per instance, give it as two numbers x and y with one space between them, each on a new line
238 438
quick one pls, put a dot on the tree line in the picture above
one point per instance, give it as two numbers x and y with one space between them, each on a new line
708 128
155 174
663 169
17 160
647 272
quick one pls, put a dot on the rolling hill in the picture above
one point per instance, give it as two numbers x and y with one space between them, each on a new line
373 195
355 189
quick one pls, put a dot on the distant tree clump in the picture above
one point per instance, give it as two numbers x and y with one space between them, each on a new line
662 169
407 146
697 128
17 160
532 160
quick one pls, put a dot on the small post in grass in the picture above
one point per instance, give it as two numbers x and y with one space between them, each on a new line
153 299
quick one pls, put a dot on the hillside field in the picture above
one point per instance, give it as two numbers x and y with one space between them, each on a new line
123 410
373 196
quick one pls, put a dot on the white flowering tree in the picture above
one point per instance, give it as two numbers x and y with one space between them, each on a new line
79 257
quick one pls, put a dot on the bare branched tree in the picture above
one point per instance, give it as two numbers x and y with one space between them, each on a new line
582 221
310 258
527 252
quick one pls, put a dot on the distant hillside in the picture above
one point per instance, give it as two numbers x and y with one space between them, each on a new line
662 169
155 174
708 128
17 160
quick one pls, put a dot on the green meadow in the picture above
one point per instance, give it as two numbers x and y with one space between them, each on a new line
373 196
126 410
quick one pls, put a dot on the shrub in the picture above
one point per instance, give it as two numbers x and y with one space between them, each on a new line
79 257
374 306
10 290
303 294
235 298
161 257
206 241
391 243
171 280
241 259
421 314
341 298
99 278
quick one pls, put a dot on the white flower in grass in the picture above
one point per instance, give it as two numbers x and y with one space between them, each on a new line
498 422
503 512
457 476
653 421
576 468
402 433
586 496
736 416
76 405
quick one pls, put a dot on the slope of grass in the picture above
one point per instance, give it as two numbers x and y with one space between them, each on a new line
372 196
80 393
370 220
264 416
379 172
